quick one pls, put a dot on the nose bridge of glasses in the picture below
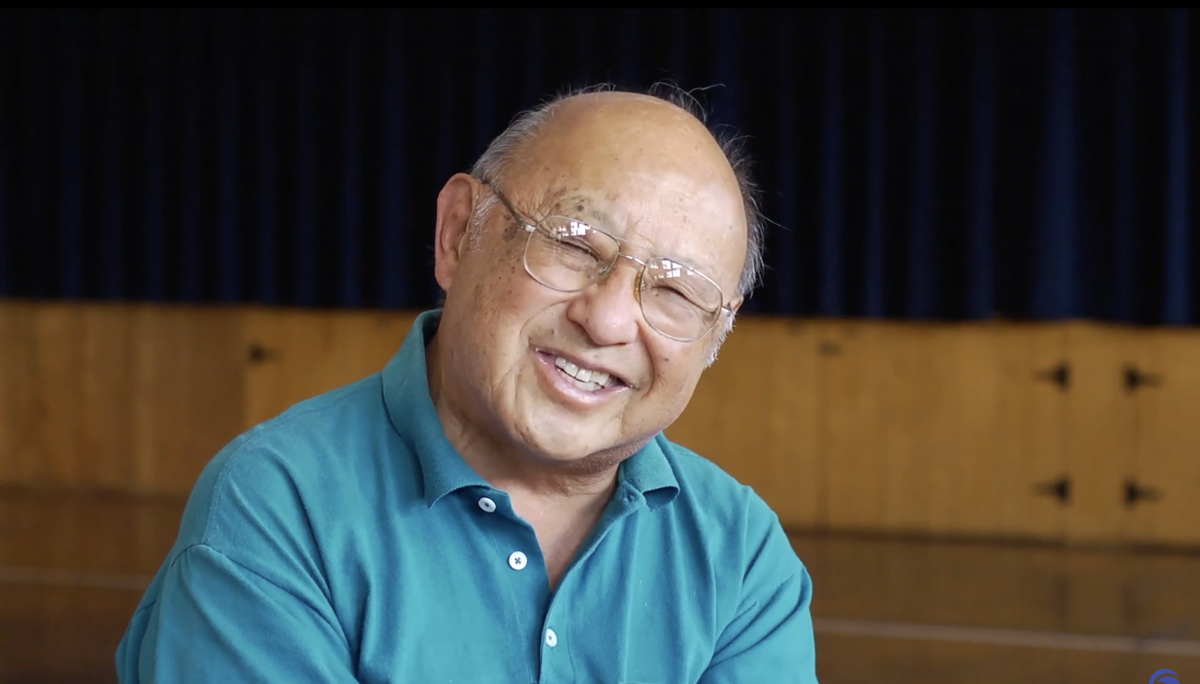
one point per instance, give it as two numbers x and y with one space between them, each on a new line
640 262
639 268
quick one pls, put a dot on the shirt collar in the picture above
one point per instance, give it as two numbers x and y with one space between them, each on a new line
410 407
412 413
649 473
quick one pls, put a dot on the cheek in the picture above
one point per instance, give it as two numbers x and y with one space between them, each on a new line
496 282
677 371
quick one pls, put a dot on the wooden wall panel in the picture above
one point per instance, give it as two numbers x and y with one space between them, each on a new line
188 391
1016 484
855 375
871 426
920 416
116 397
943 429
1100 431
105 397
1166 467
300 354
900 426
44 367
14 354
73 531
756 411
52 384
961 424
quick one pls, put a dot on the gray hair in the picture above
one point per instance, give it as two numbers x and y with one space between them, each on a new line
501 154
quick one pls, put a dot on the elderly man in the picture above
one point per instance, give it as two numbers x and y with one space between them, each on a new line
499 504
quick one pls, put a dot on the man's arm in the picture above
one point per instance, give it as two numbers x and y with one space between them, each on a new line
217 621
770 638
244 597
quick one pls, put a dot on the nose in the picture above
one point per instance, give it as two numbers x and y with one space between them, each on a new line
608 310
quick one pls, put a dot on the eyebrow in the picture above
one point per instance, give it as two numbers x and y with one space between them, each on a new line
577 203
570 203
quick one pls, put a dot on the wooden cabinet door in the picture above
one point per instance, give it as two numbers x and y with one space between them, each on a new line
1160 492
1022 487
945 430
1100 431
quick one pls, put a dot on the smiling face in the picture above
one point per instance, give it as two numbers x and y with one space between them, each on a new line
507 347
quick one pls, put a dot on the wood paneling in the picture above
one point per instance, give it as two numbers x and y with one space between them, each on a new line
43 366
1100 431
300 354
13 356
188 394
116 397
928 415
926 429
1015 485
756 414
105 397
57 634
105 535
942 429
855 427
1166 464
65 384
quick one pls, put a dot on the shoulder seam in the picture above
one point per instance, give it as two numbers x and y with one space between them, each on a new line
255 573
253 438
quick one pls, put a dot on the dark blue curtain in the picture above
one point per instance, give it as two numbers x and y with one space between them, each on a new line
919 164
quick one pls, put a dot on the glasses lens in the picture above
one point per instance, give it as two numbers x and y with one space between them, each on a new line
678 301
567 254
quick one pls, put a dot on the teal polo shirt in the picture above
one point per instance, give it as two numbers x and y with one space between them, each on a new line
347 541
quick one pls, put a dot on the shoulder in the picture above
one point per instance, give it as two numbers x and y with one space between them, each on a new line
733 522
707 487
269 479
762 582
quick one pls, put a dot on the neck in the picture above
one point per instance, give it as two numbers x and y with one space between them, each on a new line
509 466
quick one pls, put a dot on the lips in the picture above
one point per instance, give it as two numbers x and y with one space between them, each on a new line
587 376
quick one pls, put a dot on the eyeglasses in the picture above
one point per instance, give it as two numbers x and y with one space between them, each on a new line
568 255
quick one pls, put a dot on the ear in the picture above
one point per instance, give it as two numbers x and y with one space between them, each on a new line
455 203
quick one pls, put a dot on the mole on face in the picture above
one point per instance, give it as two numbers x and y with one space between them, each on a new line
510 233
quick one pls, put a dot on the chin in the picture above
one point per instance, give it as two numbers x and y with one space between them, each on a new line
559 446
581 449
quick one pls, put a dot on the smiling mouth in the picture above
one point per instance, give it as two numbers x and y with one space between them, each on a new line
586 379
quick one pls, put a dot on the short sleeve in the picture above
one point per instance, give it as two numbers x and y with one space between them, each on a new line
770 638
217 621
245 596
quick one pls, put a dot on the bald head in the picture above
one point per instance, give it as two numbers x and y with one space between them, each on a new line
660 134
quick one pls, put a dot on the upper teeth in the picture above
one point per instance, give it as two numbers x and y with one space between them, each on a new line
583 374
